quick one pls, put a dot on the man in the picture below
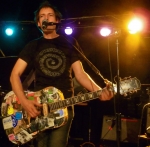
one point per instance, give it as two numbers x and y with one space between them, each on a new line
53 58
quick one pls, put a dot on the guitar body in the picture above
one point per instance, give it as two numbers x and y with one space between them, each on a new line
19 127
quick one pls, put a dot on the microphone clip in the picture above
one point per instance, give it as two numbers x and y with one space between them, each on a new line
45 23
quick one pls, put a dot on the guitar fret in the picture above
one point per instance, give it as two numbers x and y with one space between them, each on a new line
51 106
67 102
75 99
61 104
90 95
98 93
64 104
71 102
86 97
57 105
82 98
79 99
94 95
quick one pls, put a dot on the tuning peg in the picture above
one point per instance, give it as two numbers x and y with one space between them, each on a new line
106 81
126 78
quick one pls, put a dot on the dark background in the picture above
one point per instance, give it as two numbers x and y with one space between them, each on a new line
87 17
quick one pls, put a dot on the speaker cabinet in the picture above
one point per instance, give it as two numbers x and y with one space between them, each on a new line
129 129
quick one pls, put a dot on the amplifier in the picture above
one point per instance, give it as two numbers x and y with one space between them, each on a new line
129 129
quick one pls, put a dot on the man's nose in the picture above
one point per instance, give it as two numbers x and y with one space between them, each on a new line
46 18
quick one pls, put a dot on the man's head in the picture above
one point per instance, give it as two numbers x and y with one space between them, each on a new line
48 12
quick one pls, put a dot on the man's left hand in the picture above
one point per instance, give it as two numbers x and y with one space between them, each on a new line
106 94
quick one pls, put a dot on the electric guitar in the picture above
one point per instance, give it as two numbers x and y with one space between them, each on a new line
20 128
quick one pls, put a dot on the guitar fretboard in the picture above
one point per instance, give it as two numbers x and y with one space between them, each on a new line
74 100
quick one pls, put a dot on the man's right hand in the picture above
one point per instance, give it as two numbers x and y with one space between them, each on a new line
30 107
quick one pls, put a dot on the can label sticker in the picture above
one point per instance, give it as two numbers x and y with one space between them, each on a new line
11 137
24 136
18 115
10 110
14 120
7 123
4 109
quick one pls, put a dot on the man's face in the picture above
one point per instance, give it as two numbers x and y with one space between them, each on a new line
49 15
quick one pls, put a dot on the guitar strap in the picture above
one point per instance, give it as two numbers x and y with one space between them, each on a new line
29 79
78 48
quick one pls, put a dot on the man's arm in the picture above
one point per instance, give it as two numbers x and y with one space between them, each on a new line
85 80
16 84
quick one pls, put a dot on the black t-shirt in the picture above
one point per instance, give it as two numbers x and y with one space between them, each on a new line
51 60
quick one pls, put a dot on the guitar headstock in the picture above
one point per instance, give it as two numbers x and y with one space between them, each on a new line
129 85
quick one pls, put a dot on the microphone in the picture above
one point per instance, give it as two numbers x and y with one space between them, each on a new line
45 23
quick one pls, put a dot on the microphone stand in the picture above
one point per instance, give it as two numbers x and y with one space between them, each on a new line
118 114
87 60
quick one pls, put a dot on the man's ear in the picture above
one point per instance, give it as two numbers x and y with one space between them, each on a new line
58 21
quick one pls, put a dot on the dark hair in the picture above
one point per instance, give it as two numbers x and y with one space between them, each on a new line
46 4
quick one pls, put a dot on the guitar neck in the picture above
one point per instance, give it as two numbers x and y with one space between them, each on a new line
126 85
75 100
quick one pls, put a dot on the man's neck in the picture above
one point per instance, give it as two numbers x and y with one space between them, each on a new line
50 35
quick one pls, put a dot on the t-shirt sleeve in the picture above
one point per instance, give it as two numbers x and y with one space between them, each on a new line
75 54
27 54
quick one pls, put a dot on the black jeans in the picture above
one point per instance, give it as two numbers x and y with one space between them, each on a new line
56 137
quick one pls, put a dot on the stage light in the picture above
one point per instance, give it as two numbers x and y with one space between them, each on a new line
68 30
135 25
9 31
105 32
